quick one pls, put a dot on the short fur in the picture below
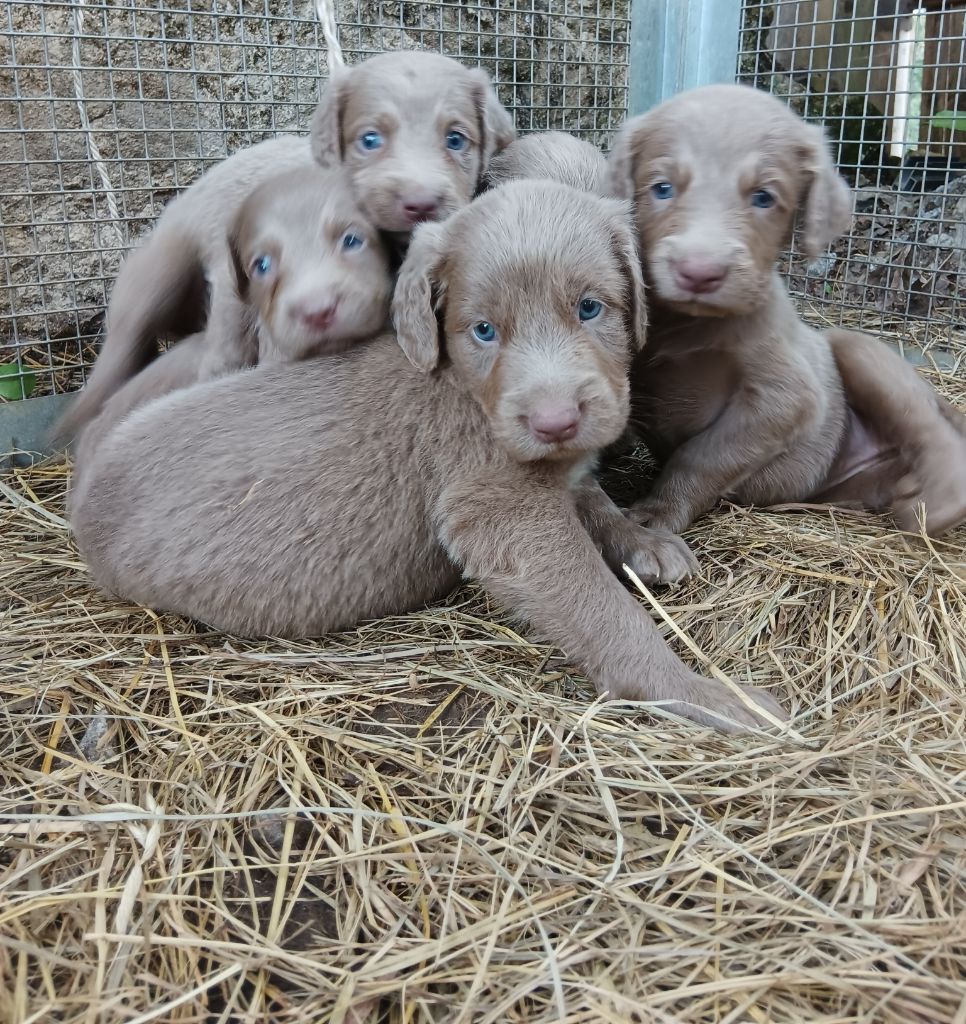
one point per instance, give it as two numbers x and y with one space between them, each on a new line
415 99
735 395
174 369
297 501
551 156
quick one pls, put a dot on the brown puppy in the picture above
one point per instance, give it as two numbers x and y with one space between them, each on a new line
461 449
437 122
735 395
551 156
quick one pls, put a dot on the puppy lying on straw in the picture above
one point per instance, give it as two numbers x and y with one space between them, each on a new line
302 499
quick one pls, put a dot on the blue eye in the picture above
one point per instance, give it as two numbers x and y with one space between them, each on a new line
351 241
662 190
589 309
762 199
370 140
456 141
484 332
261 266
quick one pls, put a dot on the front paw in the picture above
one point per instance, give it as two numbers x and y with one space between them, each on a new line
658 556
940 489
655 516
736 715
710 702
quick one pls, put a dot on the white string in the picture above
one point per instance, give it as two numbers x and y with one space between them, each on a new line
120 229
330 30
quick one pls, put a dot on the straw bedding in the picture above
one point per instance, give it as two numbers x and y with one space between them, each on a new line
430 819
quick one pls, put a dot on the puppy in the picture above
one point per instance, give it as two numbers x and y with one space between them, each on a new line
416 132
311 277
735 395
552 156
310 269
300 500
412 131
181 278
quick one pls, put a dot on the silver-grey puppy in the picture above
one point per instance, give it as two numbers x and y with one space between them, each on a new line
300 500
412 131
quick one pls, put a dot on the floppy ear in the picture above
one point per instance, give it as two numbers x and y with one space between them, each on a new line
239 273
325 131
619 181
625 250
827 201
413 306
497 130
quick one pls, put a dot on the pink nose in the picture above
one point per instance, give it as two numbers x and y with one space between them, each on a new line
318 317
420 206
700 275
553 425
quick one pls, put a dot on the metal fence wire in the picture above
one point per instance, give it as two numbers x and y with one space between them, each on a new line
108 109
887 80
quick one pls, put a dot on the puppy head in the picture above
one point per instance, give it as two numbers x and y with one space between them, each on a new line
310 263
414 130
535 291
550 156
716 176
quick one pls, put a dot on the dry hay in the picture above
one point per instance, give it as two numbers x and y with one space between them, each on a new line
428 819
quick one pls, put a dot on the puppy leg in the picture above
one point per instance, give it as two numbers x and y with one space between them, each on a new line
656 556
738 445
160 292
231 339
522 539
929 432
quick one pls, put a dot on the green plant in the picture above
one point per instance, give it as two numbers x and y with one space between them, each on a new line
949 120
15 382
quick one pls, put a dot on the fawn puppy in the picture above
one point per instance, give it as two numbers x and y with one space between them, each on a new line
413 133
297 500
735 395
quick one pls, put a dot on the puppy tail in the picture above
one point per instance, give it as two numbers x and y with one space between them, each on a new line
160 292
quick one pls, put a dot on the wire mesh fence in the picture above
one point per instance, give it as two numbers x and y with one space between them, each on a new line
108 109
887 79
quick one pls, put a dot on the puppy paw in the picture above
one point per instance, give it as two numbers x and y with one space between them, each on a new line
657 556
710 703
654 515
940 488
724 710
